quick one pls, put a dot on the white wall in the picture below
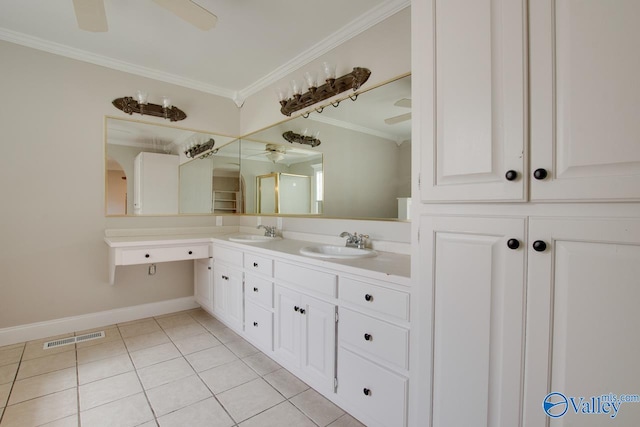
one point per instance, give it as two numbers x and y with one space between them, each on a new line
53 258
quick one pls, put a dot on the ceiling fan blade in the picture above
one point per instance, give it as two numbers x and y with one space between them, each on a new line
191 12
398 119
90 15
404 102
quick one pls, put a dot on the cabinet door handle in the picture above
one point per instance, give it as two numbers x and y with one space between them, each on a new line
368 297
513 244
366 391
296 308
368 337
147 255
255 264
540 174
190 252
302 311
255 323
225 277
255 289
539 246
511 175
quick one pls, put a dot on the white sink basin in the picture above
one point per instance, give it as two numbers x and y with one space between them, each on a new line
341 252
252 238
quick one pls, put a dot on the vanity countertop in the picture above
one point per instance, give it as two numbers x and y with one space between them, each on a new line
384 266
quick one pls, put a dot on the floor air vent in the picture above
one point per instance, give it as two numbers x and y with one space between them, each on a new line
73 340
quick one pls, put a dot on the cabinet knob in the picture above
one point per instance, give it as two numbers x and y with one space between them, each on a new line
147 255
255 323
368 297
255 264
296 308
190 252
540 173
366 391
511 175
255 289
302 311
513 244
539 246
368 337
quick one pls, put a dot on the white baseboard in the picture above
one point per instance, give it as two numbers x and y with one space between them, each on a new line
34 331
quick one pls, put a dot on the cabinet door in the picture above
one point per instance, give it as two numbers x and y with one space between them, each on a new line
203 283
582 318
473 122
584 99
287 325
476 296
234 298
219 288
319 341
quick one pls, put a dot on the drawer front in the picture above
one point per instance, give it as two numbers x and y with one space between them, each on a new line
258 325
165 254
258 264
258 290
380 339
375 392
317 281
230 256
382 300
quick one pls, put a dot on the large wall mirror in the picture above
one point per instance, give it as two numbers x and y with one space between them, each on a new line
148 173
360 169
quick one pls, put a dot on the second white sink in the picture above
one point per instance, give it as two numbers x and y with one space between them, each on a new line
341 252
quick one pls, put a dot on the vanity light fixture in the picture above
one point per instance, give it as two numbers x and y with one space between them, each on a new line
333 86
194 150
139 104
301 139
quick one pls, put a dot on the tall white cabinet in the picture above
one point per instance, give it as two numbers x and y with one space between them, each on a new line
533 105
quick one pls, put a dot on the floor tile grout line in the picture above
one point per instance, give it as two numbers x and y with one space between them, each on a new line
78 387
6 404
153 412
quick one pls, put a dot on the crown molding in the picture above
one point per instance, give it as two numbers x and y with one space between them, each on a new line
105 61
352 29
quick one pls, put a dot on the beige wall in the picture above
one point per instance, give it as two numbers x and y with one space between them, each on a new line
53 260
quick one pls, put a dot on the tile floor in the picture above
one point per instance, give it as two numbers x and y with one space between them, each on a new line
182 369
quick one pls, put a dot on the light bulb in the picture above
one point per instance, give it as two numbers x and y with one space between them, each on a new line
142 97
311 79
329 70
166 102
296 89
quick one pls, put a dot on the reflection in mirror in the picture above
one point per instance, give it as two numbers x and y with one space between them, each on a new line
148 173
364 155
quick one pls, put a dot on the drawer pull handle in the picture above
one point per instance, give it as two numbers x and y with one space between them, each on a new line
225 277
366 391
368 297
190 252
296 308
302 311
513 244
368 337
147 255
511 175
540 174
255 289
255 323
255 264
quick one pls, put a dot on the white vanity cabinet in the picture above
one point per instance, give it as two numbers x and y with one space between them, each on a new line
228 286
373 350
305 324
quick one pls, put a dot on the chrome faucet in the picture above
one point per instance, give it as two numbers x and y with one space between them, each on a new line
355 240
269 231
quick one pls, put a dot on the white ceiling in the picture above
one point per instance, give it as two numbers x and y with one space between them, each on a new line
255 42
